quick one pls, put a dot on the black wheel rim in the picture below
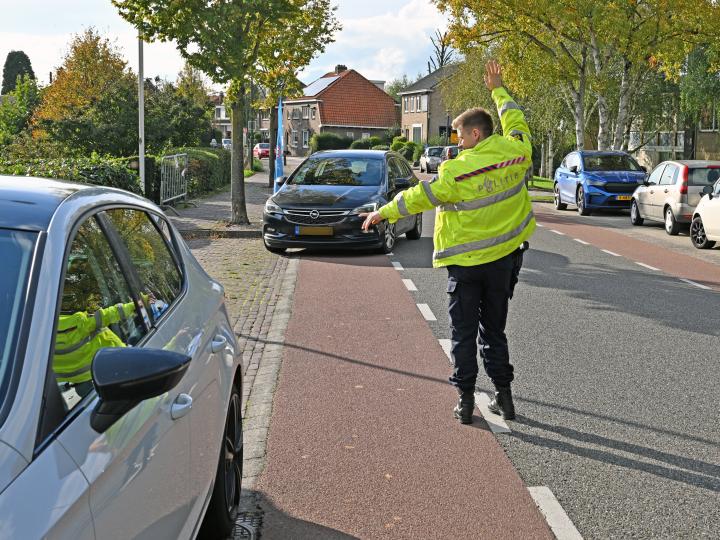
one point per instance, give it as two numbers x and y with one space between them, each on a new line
697 232
389 236
557 196
580 200
233 455
668 220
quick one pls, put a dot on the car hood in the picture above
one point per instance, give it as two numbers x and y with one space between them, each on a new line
296 196
616 176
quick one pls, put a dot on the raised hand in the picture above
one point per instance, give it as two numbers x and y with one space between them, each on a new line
493 75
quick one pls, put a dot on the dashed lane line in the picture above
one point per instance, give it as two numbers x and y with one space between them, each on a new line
647 266
398 266
426 312
696 284
583 242
445 344
494 422
610 252
409 285
559 522
390 254
557 232
540 225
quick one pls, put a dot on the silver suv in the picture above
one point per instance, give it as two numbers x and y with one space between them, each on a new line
672 191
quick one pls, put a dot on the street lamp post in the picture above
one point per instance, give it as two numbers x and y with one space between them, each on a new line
141 115
447 128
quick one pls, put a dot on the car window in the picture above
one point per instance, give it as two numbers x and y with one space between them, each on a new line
96 311
669 175
394 170
717 189
339 171
151 257
609 162
655 176
573 160
435 151
703 176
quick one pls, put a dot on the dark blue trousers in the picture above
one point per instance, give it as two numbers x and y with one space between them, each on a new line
479 297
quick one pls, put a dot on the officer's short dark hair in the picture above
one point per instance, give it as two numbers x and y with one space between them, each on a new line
476 117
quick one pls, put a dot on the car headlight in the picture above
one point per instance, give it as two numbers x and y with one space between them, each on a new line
272 208
597 183
365 208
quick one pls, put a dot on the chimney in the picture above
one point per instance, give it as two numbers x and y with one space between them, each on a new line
51 77
339 69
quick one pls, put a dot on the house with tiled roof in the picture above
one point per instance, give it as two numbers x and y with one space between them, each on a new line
342 102
424 113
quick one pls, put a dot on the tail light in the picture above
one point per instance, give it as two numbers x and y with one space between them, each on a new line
684 184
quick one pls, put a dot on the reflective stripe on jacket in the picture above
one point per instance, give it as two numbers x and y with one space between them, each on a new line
80 335
483 207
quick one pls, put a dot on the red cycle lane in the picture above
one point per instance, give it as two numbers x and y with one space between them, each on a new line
666 260
362 441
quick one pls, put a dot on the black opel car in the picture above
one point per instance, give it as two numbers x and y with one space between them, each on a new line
320 203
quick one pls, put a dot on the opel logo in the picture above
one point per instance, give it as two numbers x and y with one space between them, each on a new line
314 214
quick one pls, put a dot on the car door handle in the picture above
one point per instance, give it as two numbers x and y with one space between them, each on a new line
218 344
181 406
666 191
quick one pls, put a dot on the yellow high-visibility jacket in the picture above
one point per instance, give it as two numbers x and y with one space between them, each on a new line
80 335
483 208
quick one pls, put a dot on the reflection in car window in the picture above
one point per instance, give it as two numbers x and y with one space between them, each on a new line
610 162
16 250
339 171
435 151
654 177
96 311
669 176
159 276
703 176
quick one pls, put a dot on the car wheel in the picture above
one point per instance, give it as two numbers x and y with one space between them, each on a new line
671 226
698 236
388 240
421 167
558 204
580 202
222 511
635 218
416 232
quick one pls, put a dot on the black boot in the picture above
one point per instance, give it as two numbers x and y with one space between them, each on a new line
502 403
464 409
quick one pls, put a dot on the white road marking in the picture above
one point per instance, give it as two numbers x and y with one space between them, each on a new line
426 312
610 252
556 518
647 266
398 266
494 421
695 283
390 254
445 344
557 232
539 224
583 242
409 285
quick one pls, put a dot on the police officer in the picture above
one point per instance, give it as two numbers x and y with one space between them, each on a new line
483 221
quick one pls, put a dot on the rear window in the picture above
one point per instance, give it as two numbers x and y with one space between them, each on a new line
610 163
435 152
16 252
706 176
264 145
339 171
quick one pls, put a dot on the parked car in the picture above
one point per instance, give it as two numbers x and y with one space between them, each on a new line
705 226
320 203
431 158
449 152
593 180
261 150
672 191
213 143
227 144
120 379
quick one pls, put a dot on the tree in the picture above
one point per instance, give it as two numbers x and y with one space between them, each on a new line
396 86
16 65
17 108
224 39
442 51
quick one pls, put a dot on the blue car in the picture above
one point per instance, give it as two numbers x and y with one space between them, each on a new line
593 180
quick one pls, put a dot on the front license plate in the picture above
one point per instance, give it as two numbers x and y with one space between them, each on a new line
623 197
313 231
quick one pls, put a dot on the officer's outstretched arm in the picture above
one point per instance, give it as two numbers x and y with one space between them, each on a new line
512 120
117 313
424 196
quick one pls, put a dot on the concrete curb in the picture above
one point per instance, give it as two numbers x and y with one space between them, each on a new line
195 234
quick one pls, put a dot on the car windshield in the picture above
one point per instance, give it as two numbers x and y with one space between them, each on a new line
435 152
610 162
339 171
226 141
16 250
264 145
705 176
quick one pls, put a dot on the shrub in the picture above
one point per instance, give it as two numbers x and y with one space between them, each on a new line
397 146
361 144
209 168
328 141
417 152
437 140
374 141
400 138
257 165
407 152
380 147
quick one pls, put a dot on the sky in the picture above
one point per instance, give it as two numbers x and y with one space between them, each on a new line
382 39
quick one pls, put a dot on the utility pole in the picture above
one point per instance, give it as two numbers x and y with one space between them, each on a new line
141 115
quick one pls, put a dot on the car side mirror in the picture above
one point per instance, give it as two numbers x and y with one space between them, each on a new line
281 181
574 169
123 377
643 168
708 190
402 183
646 183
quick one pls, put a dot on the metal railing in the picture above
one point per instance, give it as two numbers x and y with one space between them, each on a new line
174 176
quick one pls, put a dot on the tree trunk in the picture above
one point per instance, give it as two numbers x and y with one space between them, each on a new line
273 143
603 121
237 171
543 160
623 105
578 99
549 156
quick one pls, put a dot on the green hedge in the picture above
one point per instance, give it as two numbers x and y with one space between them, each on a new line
209 169
92 170
329 141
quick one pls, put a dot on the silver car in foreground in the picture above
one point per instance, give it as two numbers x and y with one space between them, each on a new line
119 377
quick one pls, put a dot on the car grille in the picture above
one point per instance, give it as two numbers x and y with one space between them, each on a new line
620 187
324 217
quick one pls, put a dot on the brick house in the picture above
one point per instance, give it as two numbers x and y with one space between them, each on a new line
342 102
424 113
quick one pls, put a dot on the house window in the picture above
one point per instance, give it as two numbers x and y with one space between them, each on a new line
218 112
423 103
306 112
294 137
296 113
365 136
306 138
312 113
708 118
412 104
288 113
405 100
350 134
